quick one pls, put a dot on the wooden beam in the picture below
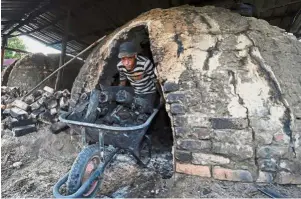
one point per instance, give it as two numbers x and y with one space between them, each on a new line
63 51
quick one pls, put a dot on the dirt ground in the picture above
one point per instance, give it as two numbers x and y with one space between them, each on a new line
45 157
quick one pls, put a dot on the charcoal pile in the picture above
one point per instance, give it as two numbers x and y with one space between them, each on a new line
23 116
111 108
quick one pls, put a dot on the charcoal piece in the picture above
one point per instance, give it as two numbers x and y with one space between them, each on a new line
64 103
48 89
20 104
23 130
141 119
29 99
37 94
58 94
51 103
46 118
24 122
124 97
58 127
18 113
36 112
142 105
91 113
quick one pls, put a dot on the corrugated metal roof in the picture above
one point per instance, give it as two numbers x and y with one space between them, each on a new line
43 20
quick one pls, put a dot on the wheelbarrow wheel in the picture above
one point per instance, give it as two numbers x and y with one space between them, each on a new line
145 151
85 164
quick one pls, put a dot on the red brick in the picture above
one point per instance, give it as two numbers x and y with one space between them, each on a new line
203 171
220 173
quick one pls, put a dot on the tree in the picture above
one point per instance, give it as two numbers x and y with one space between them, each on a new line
16 43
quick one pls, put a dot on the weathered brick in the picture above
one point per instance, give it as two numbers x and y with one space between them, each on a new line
240 152
194 145
175 98
281 138
209 159
263 137
233 136
220 173
290 166
170 87
181 131
229 123
198 120
20 104
177 109
271 151
48 89
288 178
267 164
23 130
201 133
265 177
183 156
203 171
179 121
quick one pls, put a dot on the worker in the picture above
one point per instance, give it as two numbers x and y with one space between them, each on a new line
138 71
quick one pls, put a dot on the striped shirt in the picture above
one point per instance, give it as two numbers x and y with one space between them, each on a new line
141 77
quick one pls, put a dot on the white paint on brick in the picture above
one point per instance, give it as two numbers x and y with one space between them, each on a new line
209 159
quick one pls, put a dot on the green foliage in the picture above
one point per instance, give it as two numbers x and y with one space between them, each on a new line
15 43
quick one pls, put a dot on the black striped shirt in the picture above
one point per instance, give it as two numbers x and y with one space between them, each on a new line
142 77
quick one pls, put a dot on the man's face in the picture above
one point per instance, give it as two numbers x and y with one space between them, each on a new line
128 62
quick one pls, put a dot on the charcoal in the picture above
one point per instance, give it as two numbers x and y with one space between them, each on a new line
53 111
46 117
20 104
48 89
58 127
35 106
64 103
37 94
66 93
58 94
51 103
18 113
24 122
36 112
29 99
23 130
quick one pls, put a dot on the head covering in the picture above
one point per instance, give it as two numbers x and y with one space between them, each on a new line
127 49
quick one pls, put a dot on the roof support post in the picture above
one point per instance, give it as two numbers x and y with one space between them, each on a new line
4 43
63 51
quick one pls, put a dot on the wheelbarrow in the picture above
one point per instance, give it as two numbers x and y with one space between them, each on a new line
86 174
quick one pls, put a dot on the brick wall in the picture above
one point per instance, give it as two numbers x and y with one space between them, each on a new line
232 90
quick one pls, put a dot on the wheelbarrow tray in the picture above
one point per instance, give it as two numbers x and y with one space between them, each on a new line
122 137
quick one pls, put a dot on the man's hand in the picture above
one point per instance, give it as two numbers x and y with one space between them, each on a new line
122 83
